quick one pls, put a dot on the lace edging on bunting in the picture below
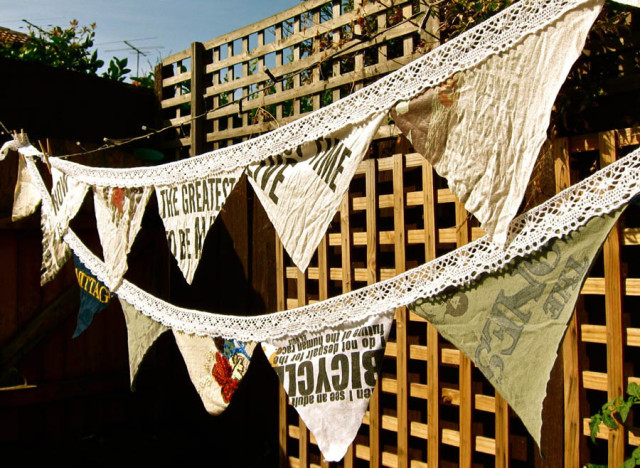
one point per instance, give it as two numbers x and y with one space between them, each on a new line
600 193
497 34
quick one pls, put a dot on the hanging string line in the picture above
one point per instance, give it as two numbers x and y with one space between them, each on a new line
126 141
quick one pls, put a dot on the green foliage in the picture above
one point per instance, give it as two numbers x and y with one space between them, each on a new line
147 81
68 48
612 413
457 16
610 55
117 70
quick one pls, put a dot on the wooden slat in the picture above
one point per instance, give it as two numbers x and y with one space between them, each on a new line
483 444
301 64
502 432
628 137
433 341
323 293
345 242
345 237
303 441
604 432
464 371
570 362
613 307
375 411
197 101
282 396
401 316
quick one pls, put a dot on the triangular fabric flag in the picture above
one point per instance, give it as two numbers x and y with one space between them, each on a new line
26 196
330 375
510 323
188 210
55 252
301 189
20 140
142 333
94 296
119 213
483 128
67 196
216 367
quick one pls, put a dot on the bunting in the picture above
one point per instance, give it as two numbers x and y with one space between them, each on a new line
119 215
94 296
216 367
301 189
330 375
188 210
531 286
55 252
483 128
67 196
477 107
510 323
26 197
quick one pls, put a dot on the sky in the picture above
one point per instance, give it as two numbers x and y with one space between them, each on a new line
158 28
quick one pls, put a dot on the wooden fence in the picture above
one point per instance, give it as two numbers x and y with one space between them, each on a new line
432 407
270 73
399 213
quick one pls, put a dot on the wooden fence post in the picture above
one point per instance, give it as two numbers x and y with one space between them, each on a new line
613 311
197 99
463 236
429 194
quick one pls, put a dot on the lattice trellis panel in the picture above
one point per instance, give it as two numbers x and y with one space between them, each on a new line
272 72
432 407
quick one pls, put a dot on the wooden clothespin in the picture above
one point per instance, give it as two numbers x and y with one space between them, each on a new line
45 154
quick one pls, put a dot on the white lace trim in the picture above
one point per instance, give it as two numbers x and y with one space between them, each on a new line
601 193
493 36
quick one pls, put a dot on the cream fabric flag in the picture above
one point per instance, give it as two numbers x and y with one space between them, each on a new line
216 367
67 196
301 189
20 141
483 129
119 213
634 3
188 210
55 252
142 333
26 197
510 323
330 375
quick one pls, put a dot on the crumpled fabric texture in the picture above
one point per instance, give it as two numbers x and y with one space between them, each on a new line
483 128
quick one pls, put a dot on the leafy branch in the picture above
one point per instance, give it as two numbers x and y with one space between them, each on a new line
613 413
70 48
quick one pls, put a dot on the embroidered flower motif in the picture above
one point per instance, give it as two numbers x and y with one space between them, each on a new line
447 92
117 198
222 372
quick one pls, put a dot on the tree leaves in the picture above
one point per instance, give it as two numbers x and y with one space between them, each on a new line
68 48
612 413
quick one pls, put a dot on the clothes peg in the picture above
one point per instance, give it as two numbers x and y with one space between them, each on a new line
45 154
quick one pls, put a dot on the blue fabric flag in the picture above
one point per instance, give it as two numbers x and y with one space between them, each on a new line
94 296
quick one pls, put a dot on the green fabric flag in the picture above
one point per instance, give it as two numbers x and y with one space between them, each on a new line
142 333
510 323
